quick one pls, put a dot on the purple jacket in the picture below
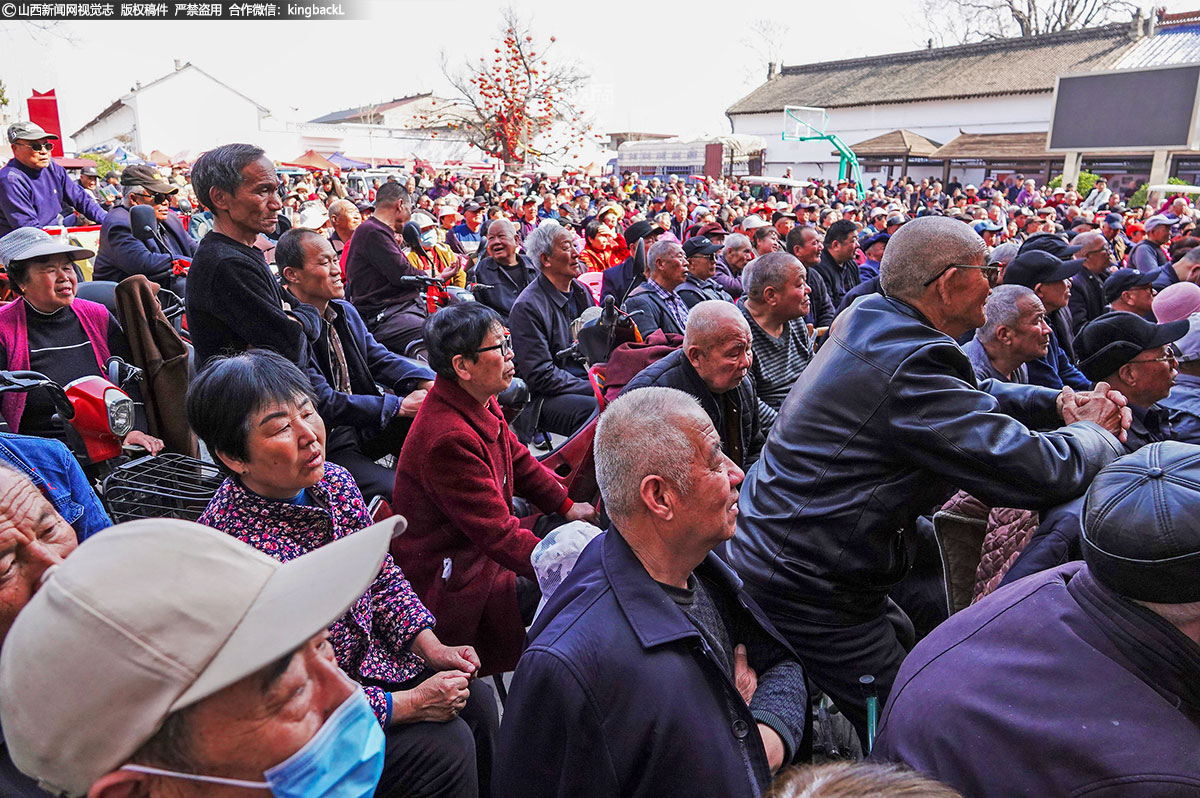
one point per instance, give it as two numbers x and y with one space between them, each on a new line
371 641
35 197
1054 685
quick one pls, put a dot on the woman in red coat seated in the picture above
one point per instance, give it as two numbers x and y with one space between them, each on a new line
466 552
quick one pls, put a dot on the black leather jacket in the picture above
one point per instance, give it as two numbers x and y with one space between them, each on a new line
880 428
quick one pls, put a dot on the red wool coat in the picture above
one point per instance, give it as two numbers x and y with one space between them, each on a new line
454 483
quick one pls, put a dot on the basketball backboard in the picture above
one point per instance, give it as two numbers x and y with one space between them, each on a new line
803 122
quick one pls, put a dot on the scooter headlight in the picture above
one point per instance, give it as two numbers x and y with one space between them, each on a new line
120 412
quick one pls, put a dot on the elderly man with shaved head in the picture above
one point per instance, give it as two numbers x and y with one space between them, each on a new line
345 217
650 672
884 423
713 365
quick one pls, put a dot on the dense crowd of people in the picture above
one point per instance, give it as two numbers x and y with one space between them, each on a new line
737 581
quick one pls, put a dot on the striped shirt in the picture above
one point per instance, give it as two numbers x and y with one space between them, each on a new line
778 362
675 304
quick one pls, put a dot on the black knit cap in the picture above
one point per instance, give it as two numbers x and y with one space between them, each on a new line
1141 534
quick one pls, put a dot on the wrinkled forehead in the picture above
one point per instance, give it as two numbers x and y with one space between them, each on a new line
22 505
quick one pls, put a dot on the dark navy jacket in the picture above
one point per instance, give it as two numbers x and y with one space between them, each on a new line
618 693
886 421
1055 369
122 255
1183 408
369 362
540 323
617 281
1054 685
653 313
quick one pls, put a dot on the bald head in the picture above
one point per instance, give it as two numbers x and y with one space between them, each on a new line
713 322
921 249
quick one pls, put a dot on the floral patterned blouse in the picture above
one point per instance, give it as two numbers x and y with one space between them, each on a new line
372 640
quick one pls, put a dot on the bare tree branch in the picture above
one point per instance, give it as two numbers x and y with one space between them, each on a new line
963 21
504 103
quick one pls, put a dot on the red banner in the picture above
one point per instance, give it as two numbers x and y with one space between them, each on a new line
43 111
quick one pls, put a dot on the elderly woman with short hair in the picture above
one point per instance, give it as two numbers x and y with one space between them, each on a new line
50 330
467 550
256 413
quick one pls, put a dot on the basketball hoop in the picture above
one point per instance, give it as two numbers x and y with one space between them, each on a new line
804 123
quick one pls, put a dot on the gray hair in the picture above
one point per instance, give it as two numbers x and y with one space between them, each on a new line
502 224
1090 237
712 322
735 240
222 168
921 249
773 269
128 192
341 206
659 250
542 240
1003 308
1192 257
1003 254
639 435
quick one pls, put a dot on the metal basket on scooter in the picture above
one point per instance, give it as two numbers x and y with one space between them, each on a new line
166 486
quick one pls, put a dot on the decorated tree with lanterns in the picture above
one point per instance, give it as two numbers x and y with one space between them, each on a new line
517 94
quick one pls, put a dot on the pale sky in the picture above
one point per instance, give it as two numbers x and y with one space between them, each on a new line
668 67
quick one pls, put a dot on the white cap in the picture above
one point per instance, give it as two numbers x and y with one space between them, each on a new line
753 222
152 616
313 216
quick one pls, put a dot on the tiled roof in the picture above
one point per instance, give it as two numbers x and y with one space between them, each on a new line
363 111
1178 44
996 147
1009 66
896 143
1005 147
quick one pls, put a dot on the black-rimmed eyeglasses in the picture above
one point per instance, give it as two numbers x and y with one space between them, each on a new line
505 347
990 273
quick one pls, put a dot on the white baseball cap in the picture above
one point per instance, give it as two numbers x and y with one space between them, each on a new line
152 616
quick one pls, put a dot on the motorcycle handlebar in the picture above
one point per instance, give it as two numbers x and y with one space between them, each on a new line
23 381
414 279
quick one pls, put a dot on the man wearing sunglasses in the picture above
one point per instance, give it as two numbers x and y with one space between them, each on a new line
122 254
35 191
1139 359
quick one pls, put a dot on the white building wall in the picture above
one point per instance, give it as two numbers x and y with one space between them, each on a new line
170 116
117 126
940 121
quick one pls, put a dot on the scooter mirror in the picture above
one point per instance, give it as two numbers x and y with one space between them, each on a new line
143 222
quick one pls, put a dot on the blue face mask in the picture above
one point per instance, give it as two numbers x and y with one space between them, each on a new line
344 759
429 238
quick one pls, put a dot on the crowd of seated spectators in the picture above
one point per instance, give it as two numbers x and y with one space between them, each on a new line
746 579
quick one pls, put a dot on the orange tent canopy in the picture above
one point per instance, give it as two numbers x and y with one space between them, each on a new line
159 157
313 160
